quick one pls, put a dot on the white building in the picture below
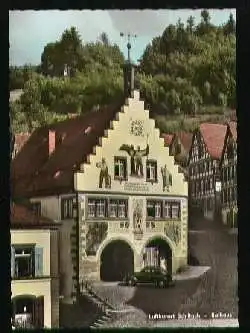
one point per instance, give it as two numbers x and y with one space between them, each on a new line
34 270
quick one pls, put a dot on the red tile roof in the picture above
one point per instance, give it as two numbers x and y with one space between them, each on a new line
24 217
34 171
213 136
233 129
167 138
185 139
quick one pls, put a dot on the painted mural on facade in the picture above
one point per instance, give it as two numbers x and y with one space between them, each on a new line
173 231
136 156
96 233
138 217
166 178
104 175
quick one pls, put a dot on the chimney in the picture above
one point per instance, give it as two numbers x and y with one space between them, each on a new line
51 141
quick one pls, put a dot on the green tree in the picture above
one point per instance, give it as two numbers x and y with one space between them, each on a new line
230 26
190 24
104 38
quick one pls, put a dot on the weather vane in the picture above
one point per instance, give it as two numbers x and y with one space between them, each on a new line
128 44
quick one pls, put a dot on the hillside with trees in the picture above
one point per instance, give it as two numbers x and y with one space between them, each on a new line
186 75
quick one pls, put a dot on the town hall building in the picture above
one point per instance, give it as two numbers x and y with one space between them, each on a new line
107 176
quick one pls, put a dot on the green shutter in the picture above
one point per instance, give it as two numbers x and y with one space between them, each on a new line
12 261
38 261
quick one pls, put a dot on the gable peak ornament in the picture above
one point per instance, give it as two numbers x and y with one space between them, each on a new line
137 127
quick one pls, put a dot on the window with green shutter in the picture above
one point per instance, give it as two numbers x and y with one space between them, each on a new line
22 261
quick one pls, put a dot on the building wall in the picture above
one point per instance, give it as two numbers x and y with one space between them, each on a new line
135 189
36 287
66 260
50 207
90 264
54 245
55 302
47 287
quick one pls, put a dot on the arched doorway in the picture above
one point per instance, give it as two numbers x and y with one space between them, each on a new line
117 260
28 311
157 252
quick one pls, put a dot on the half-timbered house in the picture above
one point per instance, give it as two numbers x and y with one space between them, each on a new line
204 175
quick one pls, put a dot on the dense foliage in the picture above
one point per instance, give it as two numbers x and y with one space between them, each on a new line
188 70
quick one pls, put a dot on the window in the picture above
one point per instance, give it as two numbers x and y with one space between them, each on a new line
158 210
113 208
118 208
154 209
26 261
175 210
67 208
91 208
172 209
120 167
100 208
97 207
36 208
167 210
122 212
151 167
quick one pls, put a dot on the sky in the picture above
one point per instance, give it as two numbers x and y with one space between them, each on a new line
30 31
